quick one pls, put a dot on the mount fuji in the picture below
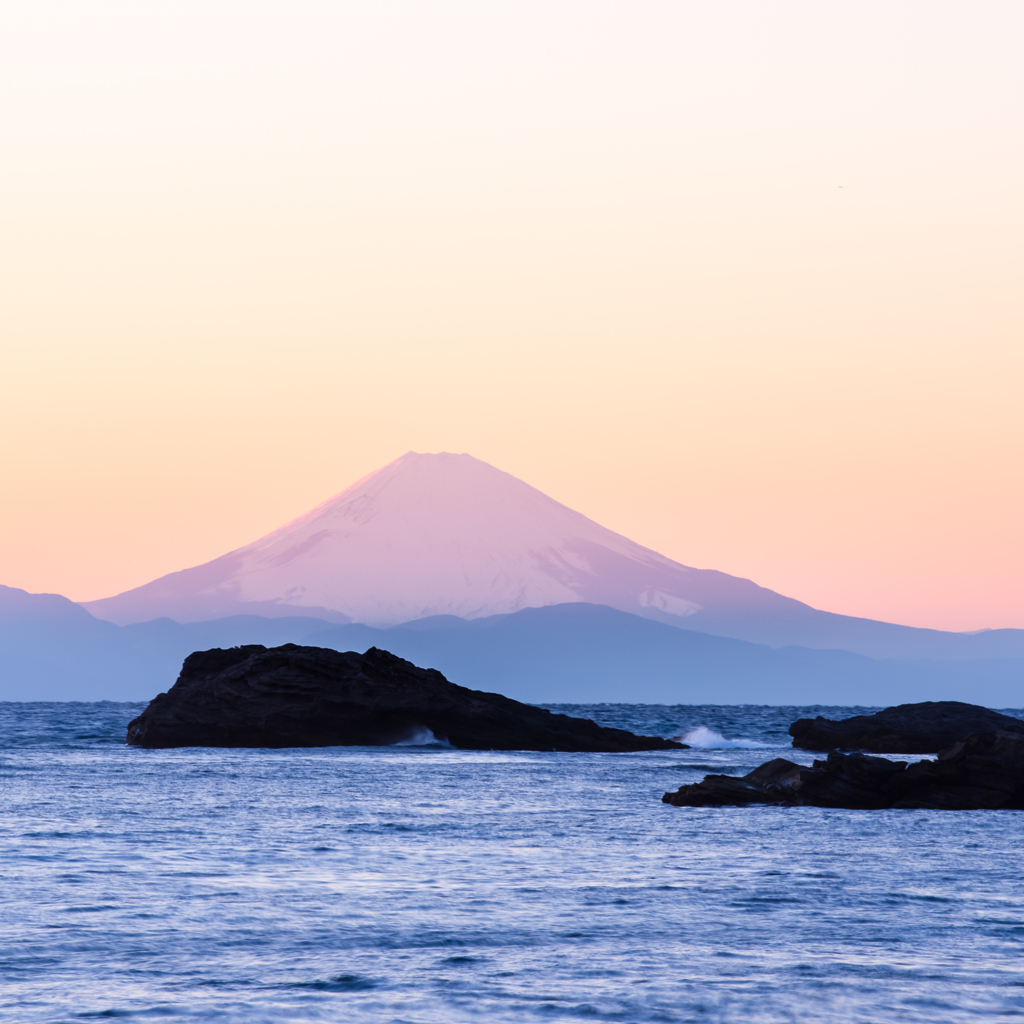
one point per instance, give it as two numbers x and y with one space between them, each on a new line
449 535
435 535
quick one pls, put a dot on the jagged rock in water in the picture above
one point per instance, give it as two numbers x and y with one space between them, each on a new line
293 696
905 729
983 771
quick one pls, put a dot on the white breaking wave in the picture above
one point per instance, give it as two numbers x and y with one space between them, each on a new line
421 736
707 738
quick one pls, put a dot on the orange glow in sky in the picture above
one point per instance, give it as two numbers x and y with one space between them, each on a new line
741 281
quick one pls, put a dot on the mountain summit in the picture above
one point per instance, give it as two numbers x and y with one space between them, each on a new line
436 535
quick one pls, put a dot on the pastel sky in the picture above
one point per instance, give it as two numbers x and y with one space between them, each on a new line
741 280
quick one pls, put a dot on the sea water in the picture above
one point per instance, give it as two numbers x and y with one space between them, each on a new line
426 884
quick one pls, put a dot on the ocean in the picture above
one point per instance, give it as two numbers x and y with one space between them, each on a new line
425 884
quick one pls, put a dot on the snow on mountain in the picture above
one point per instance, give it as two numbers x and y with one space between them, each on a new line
436 535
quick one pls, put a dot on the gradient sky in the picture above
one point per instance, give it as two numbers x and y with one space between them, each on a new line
740 280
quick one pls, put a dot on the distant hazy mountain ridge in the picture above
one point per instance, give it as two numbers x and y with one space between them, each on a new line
52 649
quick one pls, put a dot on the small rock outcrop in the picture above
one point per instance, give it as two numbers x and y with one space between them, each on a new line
983 771
905 729
295 696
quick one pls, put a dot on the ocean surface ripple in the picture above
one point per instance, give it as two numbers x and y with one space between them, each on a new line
426 885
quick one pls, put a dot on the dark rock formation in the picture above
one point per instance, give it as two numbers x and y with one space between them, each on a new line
983 771
295 696
904 729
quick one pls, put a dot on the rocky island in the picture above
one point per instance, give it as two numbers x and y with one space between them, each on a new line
904 729
980 764
294 696
983 771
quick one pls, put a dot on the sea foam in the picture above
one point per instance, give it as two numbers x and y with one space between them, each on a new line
702 736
